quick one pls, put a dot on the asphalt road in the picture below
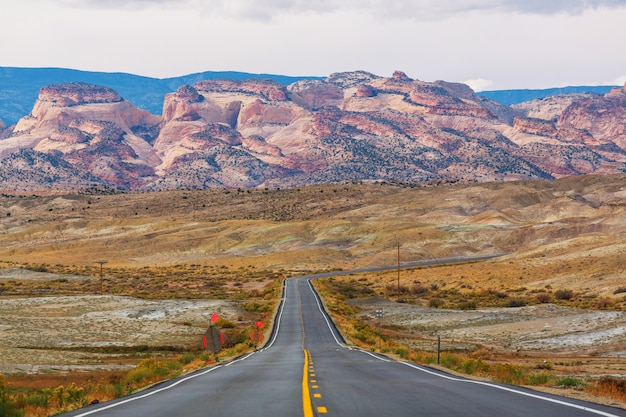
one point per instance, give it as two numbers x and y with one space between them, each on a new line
306 370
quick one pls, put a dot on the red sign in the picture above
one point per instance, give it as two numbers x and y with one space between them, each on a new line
259 325
214 317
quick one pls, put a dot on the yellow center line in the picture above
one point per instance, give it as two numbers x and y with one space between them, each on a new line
308 371
307 406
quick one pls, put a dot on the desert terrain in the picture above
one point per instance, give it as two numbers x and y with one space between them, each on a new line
554 299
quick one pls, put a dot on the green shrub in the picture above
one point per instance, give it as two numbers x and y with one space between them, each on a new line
472 366
436 302
541 378
516 303
186 358
570 382
509 373
467 305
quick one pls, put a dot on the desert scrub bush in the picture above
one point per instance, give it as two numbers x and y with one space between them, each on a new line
543 297
482 353
605 304
467 305
609 387
364 333
508 373
419 289
518 302
474 366
495 293
538 379
436 302
257 307
564 295
151 370
570 382
8 408
450 360
223 323
186 358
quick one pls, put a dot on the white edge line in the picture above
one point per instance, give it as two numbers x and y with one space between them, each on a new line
319 306
515 391
128 400
278 319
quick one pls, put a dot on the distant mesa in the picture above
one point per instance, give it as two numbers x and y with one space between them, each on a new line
72 94
268 89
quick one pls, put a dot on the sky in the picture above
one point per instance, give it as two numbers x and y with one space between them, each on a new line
487 44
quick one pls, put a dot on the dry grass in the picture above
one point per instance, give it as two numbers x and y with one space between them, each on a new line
566 241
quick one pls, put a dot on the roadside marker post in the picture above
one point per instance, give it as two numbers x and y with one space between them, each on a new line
379 315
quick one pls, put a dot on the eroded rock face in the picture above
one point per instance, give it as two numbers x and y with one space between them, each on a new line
92 129
401 76
365 91
268 89
603 117
315 94
73 94
350 126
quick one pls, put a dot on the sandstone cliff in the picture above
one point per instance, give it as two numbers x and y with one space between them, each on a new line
350 126
92 129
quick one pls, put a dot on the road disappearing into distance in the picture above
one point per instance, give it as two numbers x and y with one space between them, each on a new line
306 369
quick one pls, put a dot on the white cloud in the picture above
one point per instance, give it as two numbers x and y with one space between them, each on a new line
265 10
479 84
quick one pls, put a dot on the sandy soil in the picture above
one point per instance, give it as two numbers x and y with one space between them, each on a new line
594 340
35 332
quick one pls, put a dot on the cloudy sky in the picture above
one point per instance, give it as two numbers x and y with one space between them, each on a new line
488 44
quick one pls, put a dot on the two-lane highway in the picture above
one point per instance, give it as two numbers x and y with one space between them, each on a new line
307 370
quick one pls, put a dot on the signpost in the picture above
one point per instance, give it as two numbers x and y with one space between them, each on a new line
257 334
213 338
379 316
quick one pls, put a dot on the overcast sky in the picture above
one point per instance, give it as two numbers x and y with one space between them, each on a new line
488 44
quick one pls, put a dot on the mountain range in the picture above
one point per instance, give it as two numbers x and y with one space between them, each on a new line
19 87
241 132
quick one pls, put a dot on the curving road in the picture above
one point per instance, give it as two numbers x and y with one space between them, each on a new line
306 370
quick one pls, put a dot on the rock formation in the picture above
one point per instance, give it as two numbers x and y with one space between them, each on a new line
350 126
91 128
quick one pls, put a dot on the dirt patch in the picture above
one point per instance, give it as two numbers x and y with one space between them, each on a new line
591 341
47 334
538 327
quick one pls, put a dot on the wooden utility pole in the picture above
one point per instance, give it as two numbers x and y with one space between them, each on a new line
398 270
101 262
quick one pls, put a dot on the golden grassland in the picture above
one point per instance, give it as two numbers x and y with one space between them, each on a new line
564 241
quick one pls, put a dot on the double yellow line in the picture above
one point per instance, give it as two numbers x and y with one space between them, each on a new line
307 405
